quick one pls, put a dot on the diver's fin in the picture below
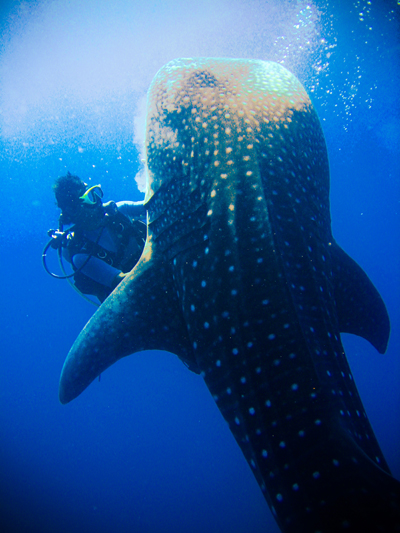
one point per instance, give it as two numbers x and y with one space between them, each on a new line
141 314
360 308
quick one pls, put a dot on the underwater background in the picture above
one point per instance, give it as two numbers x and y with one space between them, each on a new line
146 449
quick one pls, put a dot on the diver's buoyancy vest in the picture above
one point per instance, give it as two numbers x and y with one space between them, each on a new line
126 234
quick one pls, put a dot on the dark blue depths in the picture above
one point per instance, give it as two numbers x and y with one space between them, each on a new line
146 449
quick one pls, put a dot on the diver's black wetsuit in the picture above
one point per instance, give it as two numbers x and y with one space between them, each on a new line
114 247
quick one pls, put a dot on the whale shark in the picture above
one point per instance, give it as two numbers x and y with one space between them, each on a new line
242 279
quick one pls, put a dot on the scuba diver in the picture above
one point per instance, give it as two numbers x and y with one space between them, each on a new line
104 242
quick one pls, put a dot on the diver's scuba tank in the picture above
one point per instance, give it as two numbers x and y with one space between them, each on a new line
61 239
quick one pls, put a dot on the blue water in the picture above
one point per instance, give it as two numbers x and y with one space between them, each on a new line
146 450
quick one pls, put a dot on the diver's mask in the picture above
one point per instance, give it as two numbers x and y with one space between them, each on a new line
92 196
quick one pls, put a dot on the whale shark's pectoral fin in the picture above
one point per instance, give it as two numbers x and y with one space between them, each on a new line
141 314
360 308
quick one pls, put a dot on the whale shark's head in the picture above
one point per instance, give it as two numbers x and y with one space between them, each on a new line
212 123
197 108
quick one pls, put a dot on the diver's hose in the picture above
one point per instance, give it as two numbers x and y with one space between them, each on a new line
65 275
44 253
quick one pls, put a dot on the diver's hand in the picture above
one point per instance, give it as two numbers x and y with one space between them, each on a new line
59 238
117 280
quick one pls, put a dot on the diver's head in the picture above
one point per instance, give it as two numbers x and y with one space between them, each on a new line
76 200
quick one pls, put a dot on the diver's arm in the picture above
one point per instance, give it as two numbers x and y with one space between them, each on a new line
134 210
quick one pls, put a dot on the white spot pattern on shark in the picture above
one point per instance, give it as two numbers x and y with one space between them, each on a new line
241 278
